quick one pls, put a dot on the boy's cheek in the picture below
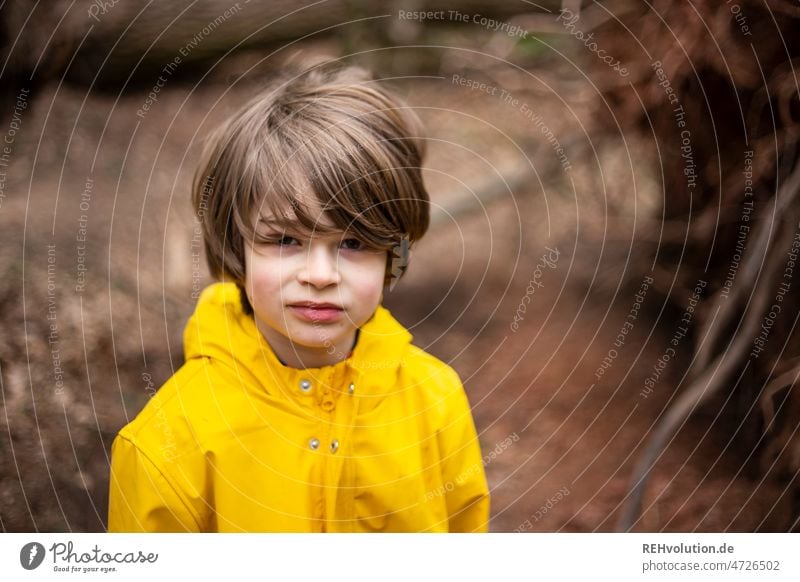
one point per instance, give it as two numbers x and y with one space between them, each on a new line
370 288
372 271
262 285
262 268
265 286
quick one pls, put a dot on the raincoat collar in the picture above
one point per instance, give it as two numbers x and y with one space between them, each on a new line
220 330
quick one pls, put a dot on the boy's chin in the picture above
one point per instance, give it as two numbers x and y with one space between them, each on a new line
316 342
312 346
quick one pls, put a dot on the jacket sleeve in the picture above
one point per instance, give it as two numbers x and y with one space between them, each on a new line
467 494
140 498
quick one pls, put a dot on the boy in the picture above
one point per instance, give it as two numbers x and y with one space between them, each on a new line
302 405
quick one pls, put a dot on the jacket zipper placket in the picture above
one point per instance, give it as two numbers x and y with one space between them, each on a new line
327 404
337 441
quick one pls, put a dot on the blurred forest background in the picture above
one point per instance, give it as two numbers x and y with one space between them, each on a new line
611 267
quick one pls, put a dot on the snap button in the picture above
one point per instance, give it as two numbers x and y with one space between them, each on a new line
313 444
334 445
351 388
305 385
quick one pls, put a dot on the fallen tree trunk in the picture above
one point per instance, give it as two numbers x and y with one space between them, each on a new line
111 42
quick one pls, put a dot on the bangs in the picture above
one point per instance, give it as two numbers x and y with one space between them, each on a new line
354 179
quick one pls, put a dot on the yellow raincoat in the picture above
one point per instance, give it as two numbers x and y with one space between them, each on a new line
235 441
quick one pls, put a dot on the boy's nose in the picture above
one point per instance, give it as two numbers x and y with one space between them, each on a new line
321 268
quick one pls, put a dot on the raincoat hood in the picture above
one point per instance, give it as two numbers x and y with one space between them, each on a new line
220 330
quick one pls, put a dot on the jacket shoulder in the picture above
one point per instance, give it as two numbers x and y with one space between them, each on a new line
439 379
180 416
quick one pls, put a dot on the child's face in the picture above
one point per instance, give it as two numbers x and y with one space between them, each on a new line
310 292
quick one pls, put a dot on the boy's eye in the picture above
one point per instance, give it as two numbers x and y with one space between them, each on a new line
286 241
352 244
277 238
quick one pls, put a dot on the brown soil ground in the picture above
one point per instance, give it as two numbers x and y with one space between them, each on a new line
575 438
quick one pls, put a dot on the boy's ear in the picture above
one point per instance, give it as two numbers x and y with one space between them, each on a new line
399 261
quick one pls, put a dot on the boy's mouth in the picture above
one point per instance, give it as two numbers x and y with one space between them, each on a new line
317 312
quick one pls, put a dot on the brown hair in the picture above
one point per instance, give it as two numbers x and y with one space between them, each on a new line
331 129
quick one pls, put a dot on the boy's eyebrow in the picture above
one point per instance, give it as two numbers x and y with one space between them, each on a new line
276 223
270 221
290 224
283 226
